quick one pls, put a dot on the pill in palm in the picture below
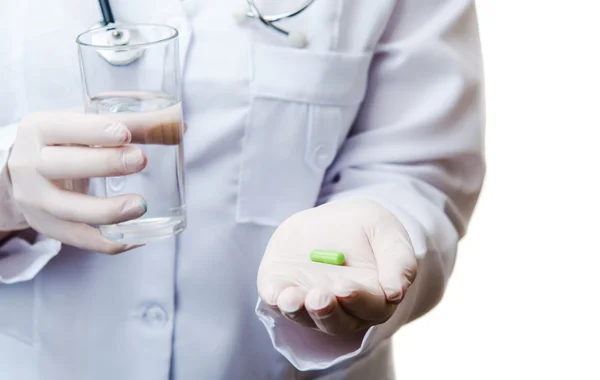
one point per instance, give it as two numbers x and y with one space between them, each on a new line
327 257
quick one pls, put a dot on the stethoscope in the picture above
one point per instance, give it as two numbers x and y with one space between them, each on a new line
251 11
295 38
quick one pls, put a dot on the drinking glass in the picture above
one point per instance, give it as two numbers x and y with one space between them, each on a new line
133 70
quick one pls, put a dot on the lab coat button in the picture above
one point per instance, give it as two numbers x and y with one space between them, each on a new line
116 184
322 157
155 316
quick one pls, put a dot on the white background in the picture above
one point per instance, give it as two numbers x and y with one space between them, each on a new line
524 299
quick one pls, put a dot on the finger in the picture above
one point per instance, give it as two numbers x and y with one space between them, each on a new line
269 289
327 314
396 261
361 303
62 128
162 132
82 208
163 127
291 305
73 162
74 234
84 237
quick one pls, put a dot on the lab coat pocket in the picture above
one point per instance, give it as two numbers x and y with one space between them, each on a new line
302 105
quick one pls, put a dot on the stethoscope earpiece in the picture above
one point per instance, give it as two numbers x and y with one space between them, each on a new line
240 14
296 39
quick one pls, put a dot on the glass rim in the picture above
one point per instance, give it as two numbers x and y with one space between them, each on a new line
80 42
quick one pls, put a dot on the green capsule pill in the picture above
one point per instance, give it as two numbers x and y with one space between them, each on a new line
327 257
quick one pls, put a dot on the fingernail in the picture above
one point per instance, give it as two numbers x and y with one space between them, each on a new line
345 290
132 247
289 308
320 301
289 301
394 296
120 132
144 205
344 293
135 208
134 159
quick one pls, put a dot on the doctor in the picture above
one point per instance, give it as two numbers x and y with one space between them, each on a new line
368 139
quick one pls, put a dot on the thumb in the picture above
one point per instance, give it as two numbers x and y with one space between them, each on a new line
395 257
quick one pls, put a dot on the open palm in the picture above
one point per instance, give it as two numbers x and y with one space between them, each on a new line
365 291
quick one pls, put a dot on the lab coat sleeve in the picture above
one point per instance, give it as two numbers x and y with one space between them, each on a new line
417 149
19 259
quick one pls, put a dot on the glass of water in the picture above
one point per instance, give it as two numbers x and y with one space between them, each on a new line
134 70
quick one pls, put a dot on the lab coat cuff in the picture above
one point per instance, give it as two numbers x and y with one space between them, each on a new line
21 261
308 349
11 218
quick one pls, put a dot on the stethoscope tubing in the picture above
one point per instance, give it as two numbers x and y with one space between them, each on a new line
107 15
256 13
281 16
253 12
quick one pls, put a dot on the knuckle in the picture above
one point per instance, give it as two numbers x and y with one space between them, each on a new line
17 164
41 163
32 121
45 202
29 120
21 199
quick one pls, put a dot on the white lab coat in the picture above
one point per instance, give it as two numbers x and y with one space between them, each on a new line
385 103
